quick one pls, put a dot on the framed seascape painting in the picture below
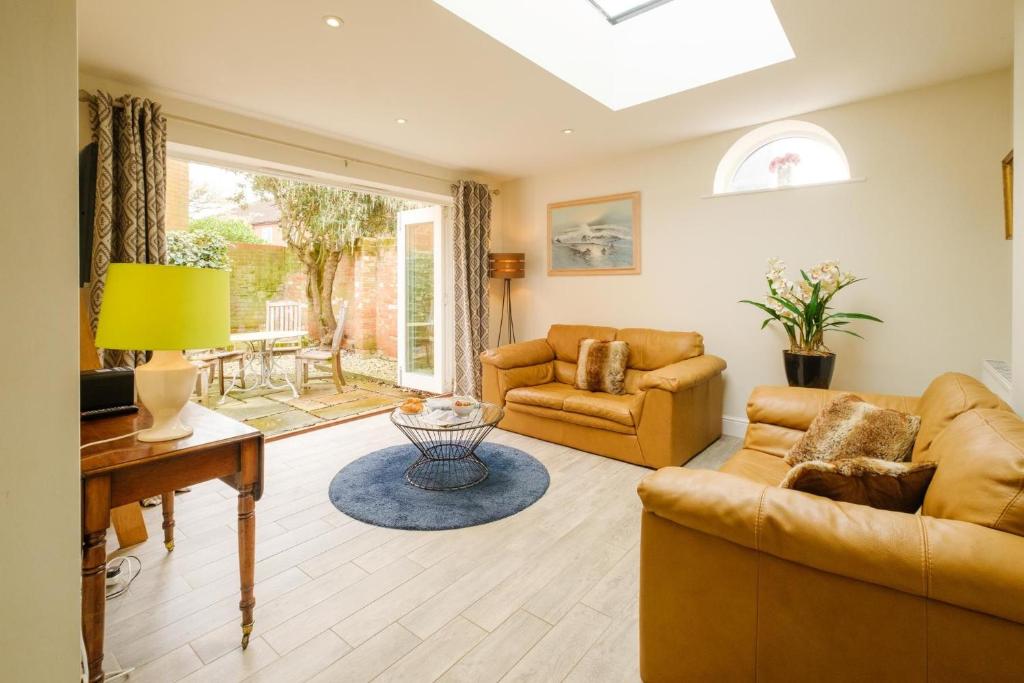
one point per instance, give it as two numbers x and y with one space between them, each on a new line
596 236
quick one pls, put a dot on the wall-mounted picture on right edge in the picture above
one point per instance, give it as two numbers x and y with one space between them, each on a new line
595 236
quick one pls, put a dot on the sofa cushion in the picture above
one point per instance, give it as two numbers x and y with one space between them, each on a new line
622 409
573 418
565 372
653 349
602 366
980 478
757 466
849 427
881 484
796 407
947 397
550 395
565 339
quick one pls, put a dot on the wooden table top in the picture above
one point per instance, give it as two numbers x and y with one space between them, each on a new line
209 429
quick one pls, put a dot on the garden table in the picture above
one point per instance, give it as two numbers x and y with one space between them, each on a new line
261 347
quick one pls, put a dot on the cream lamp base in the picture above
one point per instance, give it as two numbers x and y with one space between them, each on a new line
164 385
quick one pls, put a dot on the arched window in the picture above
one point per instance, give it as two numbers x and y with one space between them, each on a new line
782 154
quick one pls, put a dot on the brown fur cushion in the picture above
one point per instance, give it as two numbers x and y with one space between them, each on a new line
885 485
849 427
602 366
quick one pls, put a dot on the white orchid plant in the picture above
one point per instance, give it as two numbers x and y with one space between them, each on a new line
803 307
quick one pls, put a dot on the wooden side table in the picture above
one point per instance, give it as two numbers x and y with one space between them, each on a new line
124 470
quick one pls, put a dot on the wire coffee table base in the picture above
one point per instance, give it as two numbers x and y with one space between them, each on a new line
446 469
448 460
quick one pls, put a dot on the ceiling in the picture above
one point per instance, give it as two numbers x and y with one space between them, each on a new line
473 104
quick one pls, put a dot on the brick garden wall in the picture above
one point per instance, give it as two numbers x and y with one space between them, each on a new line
367 279
261 273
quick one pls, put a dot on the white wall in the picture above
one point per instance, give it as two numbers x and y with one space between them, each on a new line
1018 213
39 484
925 227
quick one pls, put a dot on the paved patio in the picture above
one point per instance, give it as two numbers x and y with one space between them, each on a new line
277 411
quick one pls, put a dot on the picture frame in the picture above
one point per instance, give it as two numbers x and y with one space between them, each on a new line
1008 195
595 236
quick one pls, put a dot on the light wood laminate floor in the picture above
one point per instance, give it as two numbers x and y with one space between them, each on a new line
549 594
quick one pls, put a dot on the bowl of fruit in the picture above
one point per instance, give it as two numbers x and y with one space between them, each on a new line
411 406
463 405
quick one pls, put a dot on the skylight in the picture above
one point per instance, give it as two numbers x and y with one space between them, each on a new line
616 11
631 52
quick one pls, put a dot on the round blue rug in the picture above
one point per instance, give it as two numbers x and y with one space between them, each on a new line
373 489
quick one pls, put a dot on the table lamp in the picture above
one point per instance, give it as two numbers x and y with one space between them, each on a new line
508 267
164 309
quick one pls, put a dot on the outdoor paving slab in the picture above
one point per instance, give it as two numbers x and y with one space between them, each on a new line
355 407
246 394
282 396
353 394
283 422
304 403
253 408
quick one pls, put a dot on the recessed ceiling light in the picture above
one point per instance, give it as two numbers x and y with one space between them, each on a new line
401 122
333 21
567 131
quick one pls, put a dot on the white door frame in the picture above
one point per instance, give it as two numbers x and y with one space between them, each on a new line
439 381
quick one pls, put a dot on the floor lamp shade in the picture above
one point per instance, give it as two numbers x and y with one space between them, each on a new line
164 309
506 266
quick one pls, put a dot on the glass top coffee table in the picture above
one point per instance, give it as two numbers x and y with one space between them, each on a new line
448 459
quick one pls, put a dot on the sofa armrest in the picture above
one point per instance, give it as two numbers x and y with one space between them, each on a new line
796 407
684 374
962 564
518 355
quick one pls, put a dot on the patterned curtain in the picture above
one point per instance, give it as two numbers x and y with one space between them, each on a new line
472 228
131 150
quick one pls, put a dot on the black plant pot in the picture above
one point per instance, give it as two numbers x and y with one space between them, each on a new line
809 370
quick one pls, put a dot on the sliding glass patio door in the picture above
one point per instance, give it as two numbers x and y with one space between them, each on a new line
421 299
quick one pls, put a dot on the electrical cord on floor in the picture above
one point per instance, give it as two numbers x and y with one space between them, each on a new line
132 574
117 674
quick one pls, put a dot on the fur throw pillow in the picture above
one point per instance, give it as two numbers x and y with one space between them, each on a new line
602 366
849 427
885 485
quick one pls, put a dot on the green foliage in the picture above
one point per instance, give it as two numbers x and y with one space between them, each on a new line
197 250
327 219
231 229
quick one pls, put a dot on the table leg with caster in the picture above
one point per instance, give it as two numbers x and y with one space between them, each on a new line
167 505
246 558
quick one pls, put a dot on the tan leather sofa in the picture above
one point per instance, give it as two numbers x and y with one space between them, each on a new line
672 408
741 580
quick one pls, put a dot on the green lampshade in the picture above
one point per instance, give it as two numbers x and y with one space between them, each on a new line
164 308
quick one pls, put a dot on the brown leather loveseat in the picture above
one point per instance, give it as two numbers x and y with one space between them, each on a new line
741 580
672 408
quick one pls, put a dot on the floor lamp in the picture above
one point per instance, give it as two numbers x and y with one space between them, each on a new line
508 267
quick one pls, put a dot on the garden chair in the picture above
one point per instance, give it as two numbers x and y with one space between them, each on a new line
307 357
286 315
220 357
202 388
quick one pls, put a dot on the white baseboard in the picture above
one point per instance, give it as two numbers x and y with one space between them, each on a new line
734 426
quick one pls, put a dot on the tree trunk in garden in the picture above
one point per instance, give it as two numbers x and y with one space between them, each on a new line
328 321
312 269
